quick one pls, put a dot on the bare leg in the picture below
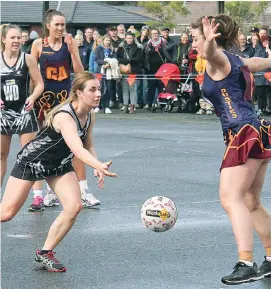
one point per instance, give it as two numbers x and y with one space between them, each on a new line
67 189
5 146
80 169
261 219
234 183
14 197
24 139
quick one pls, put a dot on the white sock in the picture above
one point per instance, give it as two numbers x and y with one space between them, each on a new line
268 258
38 193
248 263
83 185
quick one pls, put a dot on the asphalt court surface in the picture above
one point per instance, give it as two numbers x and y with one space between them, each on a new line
174 155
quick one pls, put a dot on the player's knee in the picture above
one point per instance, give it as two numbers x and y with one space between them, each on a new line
6 215
227 200
4 156
252 201
73 210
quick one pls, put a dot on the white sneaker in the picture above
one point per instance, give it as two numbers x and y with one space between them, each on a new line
209 112
50 199
201 112
88 199
122 109
96 109
107 110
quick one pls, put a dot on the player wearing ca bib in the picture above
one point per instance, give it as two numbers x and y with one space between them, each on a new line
55 54
228 85
17 115
68 132
55 67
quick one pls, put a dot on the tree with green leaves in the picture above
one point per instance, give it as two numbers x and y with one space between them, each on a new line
164 11
246 12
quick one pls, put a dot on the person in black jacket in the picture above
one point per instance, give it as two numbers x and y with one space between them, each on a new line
244 49
83 52
155 56
130 53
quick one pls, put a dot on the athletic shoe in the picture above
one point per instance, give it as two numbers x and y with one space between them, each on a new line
50 199
48 262
97 109
37 205
242 273
265 269
107 110
88 199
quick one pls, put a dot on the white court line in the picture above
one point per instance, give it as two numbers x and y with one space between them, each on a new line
20 236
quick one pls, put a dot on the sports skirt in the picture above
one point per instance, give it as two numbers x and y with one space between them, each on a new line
26 172
13 122
244 141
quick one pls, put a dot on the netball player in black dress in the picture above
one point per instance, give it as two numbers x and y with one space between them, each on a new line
68 133
17 115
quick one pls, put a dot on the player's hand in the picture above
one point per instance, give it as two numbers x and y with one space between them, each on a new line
210 28
69 40
2 105
29 103
104 172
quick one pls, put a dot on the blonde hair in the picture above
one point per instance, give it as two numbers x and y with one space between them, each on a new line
4 28
95 44
111 45
79 37
78 83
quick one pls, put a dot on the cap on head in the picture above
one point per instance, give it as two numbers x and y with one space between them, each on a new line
165 29
254 29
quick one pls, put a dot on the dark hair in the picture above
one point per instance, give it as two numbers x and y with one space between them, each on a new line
25 31
156 29
88 28
227 27
130 33
50 13
264 28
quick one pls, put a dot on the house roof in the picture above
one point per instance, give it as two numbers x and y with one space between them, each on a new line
77 12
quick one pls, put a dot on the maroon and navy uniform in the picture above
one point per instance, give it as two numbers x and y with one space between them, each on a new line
246 136
55 67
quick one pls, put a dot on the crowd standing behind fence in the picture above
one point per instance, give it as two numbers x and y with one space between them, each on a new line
157 47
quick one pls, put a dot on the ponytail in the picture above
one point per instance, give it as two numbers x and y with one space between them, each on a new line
50 13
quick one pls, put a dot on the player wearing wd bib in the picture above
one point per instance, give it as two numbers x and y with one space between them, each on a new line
14 92
17 115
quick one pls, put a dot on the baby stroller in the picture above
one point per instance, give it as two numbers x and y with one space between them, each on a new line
175 94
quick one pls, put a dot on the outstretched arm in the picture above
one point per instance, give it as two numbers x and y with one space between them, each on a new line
256 64
65 124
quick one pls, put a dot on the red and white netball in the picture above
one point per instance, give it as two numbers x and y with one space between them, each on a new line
159 214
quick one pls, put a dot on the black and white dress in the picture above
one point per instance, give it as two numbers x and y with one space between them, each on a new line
14 92
48 155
